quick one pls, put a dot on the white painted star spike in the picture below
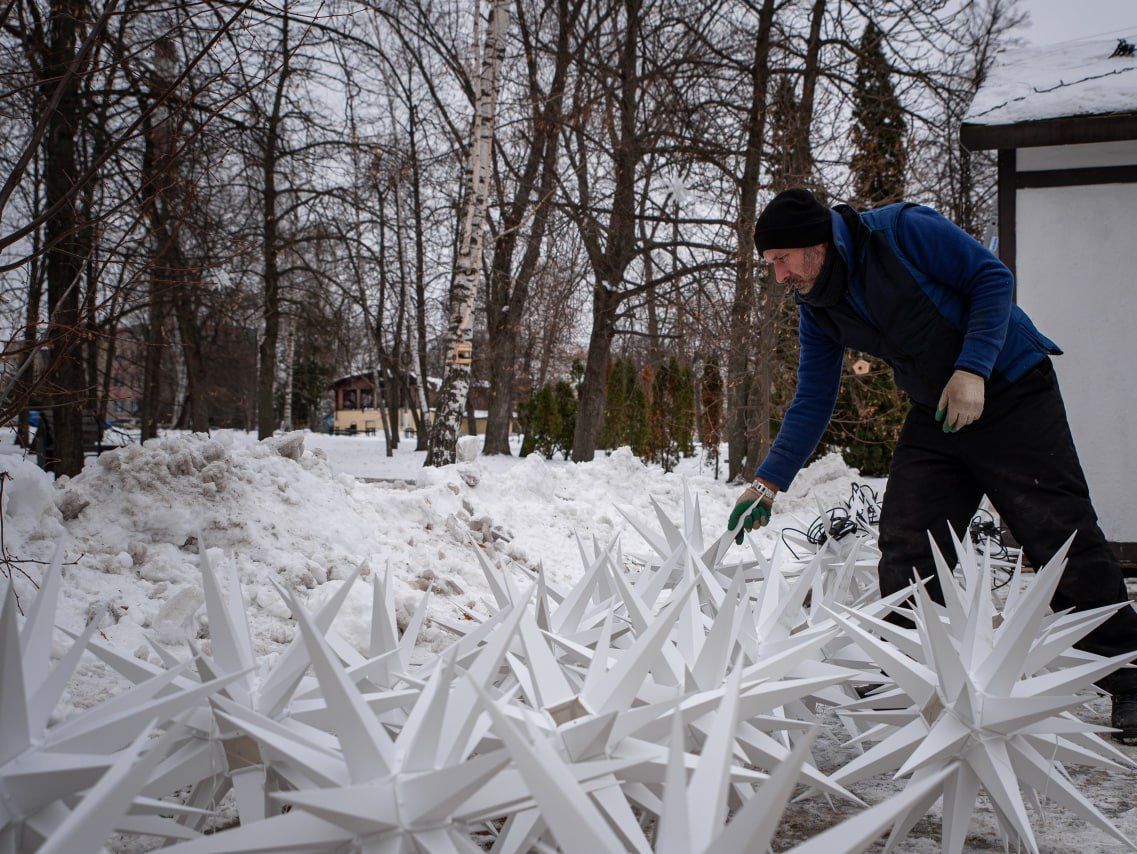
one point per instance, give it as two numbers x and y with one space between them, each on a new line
980 712
571 816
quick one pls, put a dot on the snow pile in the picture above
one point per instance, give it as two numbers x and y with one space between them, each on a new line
132 521
27 504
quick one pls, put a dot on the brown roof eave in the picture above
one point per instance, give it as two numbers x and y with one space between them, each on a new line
1067 130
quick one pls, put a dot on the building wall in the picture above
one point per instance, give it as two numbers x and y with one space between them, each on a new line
1076 259
366 419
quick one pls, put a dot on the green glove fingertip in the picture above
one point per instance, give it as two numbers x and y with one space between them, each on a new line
940 413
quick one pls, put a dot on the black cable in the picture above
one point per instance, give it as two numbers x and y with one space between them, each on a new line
838 522
987 537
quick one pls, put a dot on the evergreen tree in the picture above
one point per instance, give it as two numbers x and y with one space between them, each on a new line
867 419
683 413
636 418
615 406
564 399
657 439
550 419
671 431
879 156
870 408
710 430
625 416
525 422
544 421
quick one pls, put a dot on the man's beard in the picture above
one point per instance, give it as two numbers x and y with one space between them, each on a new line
828 284
800 284
816 260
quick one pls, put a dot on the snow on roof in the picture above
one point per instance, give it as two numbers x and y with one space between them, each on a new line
368 373
1069 79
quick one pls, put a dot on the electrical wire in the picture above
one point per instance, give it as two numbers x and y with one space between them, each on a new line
860 516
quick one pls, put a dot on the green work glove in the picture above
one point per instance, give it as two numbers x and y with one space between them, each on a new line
753 509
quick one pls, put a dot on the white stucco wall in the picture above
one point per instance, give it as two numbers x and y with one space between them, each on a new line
1076 156
1077 278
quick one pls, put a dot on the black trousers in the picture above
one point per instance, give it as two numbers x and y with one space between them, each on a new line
1021 455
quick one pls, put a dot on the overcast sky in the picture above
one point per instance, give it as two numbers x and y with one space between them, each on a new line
1062 20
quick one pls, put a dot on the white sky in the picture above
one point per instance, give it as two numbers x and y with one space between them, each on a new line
1054 21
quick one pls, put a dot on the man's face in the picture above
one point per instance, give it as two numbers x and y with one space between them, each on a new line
798 268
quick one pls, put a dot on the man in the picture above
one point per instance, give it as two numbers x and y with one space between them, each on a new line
904 284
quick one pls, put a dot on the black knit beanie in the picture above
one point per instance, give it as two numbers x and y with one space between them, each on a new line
794 218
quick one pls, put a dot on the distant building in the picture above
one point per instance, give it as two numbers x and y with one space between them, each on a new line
356 409
1064 121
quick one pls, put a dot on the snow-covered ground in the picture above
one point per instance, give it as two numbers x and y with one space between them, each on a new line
294 509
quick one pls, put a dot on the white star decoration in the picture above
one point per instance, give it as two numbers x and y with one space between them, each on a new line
984 699
671 708
104 753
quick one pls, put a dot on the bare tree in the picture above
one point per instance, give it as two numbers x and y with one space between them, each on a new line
456 382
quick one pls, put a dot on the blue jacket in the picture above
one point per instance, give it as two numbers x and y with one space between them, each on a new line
922 295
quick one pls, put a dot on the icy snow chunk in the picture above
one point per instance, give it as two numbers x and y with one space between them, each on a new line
290 445
28 493
468 449
213 451
173 623
71 504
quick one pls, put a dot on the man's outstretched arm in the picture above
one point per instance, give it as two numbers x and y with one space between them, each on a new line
818 381
819 378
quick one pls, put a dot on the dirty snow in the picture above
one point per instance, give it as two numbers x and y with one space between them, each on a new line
286 509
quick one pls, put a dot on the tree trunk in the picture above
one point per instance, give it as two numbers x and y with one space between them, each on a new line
189 331
611 264
594 389
31 327
381 406
152 364
393 409
418 338
456 384
420 413
509 290
742 343
798 159
64 236
270 238
164 207
397 366
289 354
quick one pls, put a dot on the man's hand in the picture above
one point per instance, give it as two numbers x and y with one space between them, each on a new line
961 402
752 508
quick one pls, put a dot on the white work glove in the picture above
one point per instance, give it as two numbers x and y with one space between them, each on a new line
961 402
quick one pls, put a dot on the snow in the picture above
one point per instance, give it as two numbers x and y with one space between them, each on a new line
1069 79
291 509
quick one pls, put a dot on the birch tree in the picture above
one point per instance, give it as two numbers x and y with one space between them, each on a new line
456 382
